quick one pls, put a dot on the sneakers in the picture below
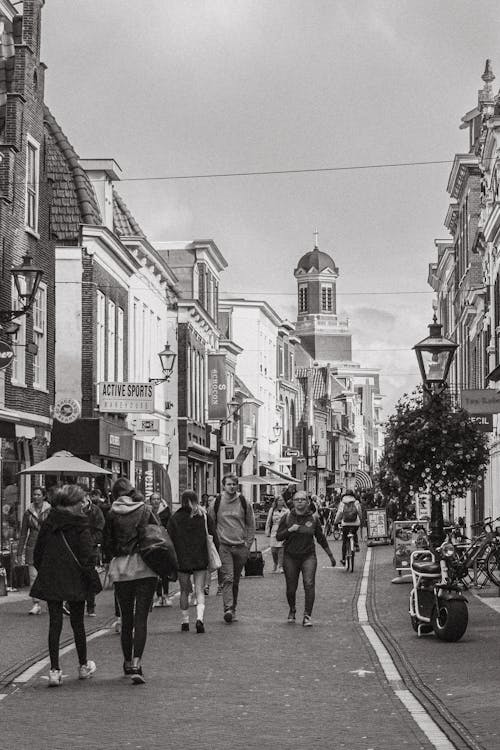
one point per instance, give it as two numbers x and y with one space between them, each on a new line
137 676
127 669
117 625
206 590
228 615
291 616
185 627
307 622
55 677
35 609
200 628
85 671
91 613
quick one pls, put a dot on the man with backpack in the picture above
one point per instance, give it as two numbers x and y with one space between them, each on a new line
235 523
349 518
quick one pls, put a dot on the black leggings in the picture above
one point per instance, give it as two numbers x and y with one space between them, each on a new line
134 598
76 618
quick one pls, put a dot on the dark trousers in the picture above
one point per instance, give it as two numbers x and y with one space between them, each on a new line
134 599
233 560
346 530
76 618
293 567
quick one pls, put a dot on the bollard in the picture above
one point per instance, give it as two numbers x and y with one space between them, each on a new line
3 582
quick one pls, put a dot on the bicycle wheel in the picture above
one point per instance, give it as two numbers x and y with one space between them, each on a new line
492 565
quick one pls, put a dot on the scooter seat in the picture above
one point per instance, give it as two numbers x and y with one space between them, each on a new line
427 568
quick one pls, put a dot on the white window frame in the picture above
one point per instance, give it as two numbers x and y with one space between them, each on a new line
32 186
100 336
303 298
18 367
120 370
111 336
327 297
39 314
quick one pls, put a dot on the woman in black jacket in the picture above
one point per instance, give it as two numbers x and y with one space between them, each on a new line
134 581
188 531
64 558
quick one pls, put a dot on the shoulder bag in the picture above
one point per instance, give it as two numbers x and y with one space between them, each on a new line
157 550
214 561
91 577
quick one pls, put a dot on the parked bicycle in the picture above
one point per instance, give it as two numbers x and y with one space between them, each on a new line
479 556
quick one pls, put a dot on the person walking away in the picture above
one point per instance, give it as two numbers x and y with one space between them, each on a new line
349 517
162 514
33 518
134 581
206 501
64 557
235 524
298 529
96 525
277 510
188 531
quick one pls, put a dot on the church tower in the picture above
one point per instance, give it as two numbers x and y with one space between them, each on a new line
323 336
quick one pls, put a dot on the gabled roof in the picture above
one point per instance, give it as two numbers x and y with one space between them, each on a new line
124 223
73 200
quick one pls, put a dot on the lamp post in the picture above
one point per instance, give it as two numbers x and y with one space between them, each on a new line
27 279
277 432
167 360
434 356
315 450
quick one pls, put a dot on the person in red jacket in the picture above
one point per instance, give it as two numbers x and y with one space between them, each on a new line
298 529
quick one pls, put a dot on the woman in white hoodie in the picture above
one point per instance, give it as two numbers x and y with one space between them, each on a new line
277 510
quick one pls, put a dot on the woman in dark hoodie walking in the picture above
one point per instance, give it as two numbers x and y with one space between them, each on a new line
64 558
134 581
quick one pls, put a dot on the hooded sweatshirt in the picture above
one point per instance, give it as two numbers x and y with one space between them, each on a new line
123 522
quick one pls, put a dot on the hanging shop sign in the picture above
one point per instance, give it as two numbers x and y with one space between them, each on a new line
146 426
481 401
484 422
67 410
217 390
126 397
6 354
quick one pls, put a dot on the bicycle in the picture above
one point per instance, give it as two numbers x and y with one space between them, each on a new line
329 528
350 552
480 555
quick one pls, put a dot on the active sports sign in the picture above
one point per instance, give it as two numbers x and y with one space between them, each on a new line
6 355
122 398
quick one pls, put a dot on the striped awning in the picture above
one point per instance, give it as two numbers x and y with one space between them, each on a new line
363 480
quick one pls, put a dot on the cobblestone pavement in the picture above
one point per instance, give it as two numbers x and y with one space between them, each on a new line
257 683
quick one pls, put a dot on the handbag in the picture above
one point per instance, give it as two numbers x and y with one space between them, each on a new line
91 577
214 561
128 568
157 551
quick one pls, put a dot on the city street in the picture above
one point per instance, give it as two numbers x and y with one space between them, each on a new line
262 683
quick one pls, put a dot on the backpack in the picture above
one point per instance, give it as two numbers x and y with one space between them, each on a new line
350 512
243 504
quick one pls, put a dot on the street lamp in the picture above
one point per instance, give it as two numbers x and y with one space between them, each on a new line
277 432
434 356
27 279
315 450
167 360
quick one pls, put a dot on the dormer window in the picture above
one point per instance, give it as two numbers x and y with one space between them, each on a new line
302 298
327 297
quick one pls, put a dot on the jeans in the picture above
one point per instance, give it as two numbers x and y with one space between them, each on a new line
292 567
76 616
277 553
346 530
134 599
233 560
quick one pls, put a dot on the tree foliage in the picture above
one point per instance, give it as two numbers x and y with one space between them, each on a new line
431 447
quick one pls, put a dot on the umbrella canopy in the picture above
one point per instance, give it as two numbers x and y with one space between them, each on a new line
254 479
66 464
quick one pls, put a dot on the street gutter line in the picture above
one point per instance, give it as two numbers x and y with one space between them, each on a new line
417 711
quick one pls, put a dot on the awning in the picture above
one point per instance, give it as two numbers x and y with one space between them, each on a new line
287 477
363 480
254 479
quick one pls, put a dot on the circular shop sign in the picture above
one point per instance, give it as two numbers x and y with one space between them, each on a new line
67 410
6 355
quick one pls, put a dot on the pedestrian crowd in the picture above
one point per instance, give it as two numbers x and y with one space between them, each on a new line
144 546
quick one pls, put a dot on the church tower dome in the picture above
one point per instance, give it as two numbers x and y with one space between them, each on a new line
322 335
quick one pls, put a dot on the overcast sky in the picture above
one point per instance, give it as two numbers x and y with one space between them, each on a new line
192 87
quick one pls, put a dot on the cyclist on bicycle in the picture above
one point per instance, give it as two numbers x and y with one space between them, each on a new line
349 517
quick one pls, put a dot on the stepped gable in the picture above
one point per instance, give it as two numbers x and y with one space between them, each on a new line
124 224
73 199
316 260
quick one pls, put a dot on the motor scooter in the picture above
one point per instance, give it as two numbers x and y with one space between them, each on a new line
437 602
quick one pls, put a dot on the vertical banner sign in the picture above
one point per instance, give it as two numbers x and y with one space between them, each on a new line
217 391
